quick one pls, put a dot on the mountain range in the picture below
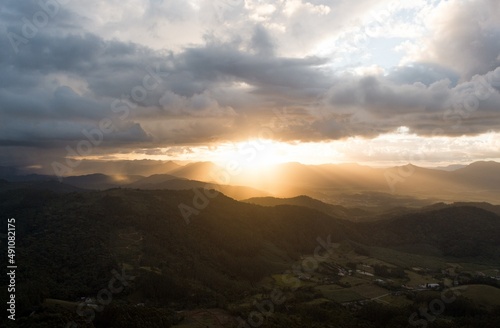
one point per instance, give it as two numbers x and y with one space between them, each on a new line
70 240
340 184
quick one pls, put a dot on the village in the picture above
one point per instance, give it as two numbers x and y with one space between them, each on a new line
351 279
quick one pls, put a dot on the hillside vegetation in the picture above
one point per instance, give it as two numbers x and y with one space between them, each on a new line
69 243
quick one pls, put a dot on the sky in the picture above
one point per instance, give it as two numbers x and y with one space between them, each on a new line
379 82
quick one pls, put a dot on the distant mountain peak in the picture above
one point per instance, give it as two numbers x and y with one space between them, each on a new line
484 164
481 167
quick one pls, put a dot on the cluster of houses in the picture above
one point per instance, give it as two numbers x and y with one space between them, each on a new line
343 272
429 286
483 275
434 286
367 270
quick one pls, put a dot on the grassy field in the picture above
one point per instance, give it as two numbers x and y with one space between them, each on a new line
395 300
356 280
318 301
426 260
369 290
483 295
339 295
418 279
65 304
485 268
407 260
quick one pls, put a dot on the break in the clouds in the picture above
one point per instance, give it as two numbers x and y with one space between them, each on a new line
152 74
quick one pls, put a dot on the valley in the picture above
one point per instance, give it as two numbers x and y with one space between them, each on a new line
282 264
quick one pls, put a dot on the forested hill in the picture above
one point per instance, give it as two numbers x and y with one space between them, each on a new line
459 231
68 243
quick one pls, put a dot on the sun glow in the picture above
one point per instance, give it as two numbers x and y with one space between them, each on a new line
255 159
251 157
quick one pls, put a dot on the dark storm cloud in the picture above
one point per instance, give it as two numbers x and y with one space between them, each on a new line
37 108
221 63
383 98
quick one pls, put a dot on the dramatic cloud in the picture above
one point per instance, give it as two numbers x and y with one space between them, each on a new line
187 73
464 36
